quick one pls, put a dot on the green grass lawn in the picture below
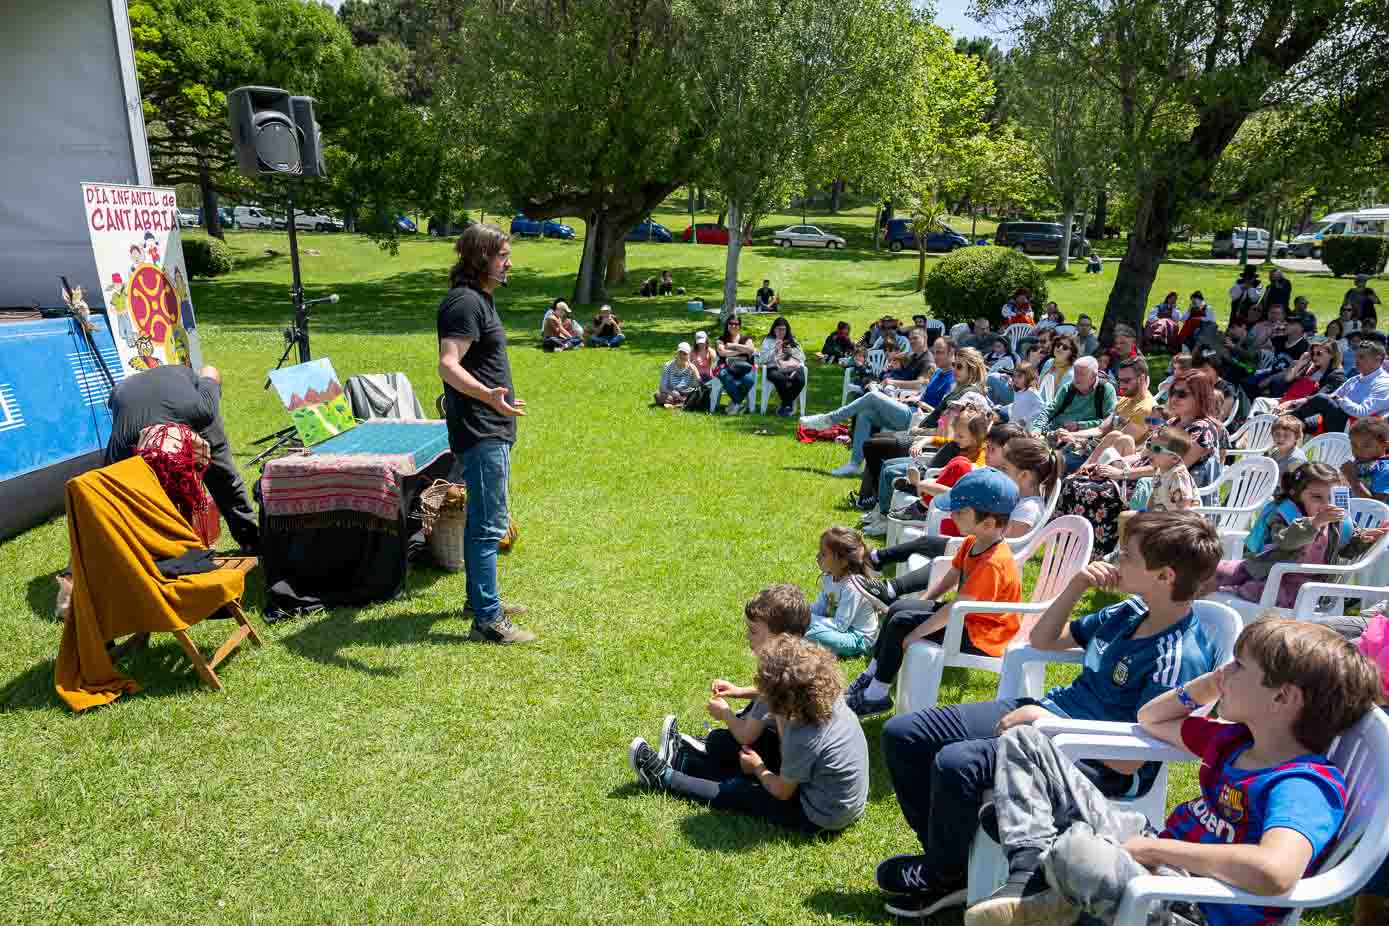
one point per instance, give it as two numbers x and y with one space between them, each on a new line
369 765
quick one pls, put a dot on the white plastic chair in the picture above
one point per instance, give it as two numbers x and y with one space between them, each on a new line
716 392
1362 755
765 388
1255 436
1332 449
1024 675
1239 494
1368 513
1065 545
1015 333
936 325
876 361
896 527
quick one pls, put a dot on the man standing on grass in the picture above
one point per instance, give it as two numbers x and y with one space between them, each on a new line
481 408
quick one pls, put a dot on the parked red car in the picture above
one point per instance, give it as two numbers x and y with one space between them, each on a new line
712 233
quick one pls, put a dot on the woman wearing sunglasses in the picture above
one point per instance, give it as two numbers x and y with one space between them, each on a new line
1318 370
1098 492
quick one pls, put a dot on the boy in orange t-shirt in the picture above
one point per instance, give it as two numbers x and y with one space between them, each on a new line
983 570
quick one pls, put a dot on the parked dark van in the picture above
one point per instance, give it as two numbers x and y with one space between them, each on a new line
1039 238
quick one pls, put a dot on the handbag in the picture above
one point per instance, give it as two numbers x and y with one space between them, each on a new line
738 368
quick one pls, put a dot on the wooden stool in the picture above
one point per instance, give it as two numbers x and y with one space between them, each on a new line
205 667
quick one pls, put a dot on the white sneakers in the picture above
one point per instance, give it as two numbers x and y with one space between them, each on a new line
848 469
817 422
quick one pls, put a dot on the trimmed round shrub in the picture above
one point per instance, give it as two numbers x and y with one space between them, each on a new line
1350 254
206 257
977 280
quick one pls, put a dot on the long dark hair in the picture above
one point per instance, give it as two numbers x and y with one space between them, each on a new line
475 249
790 338
848 545
1296 480
1032 455
727 337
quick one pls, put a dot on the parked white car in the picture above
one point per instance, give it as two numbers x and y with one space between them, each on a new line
317 222
1230 243
253 217
806 236
189 218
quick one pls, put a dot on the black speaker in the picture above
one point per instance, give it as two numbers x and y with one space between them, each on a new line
264 132
310 145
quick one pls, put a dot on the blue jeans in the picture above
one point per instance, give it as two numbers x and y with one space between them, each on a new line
840 642
737 387
1000 388
615 341
485 469
874 411
891 471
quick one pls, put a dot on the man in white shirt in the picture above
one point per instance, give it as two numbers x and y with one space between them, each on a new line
1362 395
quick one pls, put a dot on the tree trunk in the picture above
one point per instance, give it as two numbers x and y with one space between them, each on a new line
735 250
211 217
1133 281
836 192
599 239
703 202
973 223
1101 208
723 215
690 201
617 263
921 261
1068 217
1273 237
877 228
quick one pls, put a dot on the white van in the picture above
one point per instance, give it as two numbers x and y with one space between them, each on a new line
1230 243
252 217
1372 220
308 221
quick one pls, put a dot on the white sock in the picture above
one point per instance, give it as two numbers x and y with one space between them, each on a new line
876 691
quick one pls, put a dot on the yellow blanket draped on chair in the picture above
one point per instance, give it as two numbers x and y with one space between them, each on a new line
120 523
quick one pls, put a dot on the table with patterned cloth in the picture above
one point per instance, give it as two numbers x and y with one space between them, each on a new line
335 520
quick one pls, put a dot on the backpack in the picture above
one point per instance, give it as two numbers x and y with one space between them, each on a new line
1286 509
1095 395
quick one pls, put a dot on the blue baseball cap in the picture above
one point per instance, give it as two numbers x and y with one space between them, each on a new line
985 489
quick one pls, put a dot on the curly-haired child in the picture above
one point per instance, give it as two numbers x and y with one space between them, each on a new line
823 783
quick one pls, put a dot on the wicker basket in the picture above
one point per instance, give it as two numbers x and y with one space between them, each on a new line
444 528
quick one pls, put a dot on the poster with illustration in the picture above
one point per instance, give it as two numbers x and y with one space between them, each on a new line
315 400
139 257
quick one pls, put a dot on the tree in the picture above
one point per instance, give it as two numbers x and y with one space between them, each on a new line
583 110
1185 75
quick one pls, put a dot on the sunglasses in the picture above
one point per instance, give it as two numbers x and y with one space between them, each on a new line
1155 447
1179 394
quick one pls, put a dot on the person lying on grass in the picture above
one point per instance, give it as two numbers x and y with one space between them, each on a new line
823 782
1270 805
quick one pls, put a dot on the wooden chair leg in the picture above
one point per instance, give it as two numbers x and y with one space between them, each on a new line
196 657
240 617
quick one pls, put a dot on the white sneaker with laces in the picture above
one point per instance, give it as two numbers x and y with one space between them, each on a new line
848 469
816 422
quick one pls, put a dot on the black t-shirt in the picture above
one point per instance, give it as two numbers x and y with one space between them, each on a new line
163 395
1288 354
914 368
470 313
765 294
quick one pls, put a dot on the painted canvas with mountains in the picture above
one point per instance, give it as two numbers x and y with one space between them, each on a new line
314 399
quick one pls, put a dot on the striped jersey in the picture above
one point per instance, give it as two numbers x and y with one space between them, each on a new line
1237 806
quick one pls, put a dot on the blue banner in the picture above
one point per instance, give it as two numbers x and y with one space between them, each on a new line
53 392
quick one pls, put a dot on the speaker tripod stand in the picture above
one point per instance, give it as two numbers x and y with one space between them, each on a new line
297 335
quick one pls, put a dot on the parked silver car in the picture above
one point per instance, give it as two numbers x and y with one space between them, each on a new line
806 236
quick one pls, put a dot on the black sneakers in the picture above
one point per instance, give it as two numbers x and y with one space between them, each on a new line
649 767
668 746
914 896
863 707
880 592
501 631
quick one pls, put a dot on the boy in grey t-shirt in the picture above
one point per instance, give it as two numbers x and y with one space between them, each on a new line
823 783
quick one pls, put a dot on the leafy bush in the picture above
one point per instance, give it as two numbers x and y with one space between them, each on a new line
206 257
975 281
1354 253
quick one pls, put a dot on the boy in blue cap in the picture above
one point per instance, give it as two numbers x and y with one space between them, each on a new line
983 570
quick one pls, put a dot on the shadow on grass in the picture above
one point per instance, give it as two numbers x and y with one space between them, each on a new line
727 832
323 639
42 594
161 670
848 904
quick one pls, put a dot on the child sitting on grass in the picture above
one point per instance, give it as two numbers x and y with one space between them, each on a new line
823 782
1287 435
1368 474
841 619
777 611
1298 526
983 570
942 760
1270 804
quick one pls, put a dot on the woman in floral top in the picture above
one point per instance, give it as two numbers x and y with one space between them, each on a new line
1099 492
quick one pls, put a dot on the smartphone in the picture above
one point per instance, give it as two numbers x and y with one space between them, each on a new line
1340 496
